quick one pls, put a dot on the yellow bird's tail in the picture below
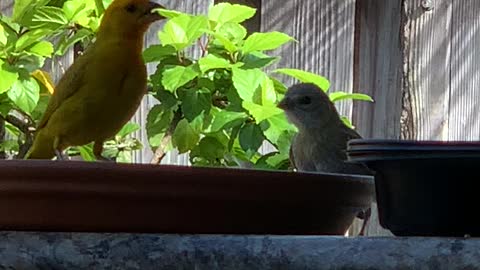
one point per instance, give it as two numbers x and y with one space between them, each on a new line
42 147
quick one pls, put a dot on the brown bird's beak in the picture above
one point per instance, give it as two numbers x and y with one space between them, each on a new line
283 104
151 15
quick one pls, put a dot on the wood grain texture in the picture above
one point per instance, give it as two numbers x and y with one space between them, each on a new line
378 73
464 111
6 7
324 30
427 70
378 68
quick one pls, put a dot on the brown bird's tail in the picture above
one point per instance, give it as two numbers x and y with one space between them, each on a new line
42 147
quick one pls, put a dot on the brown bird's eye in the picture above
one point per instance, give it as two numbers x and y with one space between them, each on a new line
305 100
131 8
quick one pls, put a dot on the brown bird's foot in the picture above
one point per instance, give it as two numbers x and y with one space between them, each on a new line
366 217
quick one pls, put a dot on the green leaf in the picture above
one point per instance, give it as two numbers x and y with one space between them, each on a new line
30 38
158 121
124 157
306 77
86 152
226 12
265 41
185 138
12 130
9 146
279 86
268 96
232 31
347 122
211 148
213 62
67 42
39 110
178 76
225 42
275 126
46 17
168 100
258 60
339 95
251 137
71 8
128 129
42 48
8 76
3 36
5 104
30 62
21 7
279 161
260 112
5 108
196 101
25 93
225 119
247 81
182 31
157 53
169 14
75 10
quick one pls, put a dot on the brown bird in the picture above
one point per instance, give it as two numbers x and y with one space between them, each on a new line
321 142
102 89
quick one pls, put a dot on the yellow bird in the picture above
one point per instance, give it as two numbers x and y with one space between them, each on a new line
103 88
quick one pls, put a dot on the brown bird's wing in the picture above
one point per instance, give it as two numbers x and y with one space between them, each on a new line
292 157
66 87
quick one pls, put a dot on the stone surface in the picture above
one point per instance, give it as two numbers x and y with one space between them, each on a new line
29 250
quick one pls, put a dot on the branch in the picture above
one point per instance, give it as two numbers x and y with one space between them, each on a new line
160 153
26 127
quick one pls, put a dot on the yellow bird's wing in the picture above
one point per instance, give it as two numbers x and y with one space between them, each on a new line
68 85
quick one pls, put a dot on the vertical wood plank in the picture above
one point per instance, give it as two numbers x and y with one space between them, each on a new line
6 7
145 155
378 68
464 120
427 70
324 30
378 73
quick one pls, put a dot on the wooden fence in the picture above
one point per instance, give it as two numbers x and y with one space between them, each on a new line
418 59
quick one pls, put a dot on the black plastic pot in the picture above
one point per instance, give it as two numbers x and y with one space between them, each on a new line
423 188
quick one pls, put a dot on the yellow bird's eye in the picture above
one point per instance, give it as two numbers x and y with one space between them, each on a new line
131 8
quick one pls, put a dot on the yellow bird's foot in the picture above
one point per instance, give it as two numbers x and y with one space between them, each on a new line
59 155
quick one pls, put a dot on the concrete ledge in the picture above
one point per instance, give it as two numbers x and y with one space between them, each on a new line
28 250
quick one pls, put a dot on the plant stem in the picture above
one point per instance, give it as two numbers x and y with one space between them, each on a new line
160 153
202 48
99 6
2 138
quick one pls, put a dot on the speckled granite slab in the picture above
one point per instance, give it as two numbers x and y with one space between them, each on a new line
29 250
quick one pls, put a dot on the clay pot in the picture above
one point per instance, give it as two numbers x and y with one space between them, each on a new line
103 197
